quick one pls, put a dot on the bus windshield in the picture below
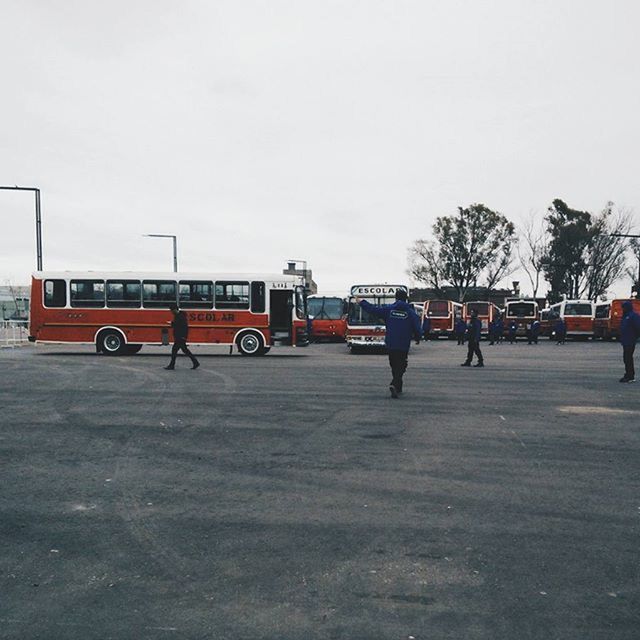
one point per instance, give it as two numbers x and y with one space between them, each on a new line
482 308
521 309
357 315
325 308
577 309
438 309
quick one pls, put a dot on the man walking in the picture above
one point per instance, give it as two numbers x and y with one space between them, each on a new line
473 334
629 334
402 324
180 326
534 332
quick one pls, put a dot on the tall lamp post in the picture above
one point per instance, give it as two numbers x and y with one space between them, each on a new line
38 221
175 246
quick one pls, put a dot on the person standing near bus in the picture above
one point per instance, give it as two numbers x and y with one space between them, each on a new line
534 332
560 329
426 327
499 329
629 334
402 324
180 326
513 330
473 334
461 330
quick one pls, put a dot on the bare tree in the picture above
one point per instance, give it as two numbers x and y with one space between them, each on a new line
634 270
532 249
424 265
606 253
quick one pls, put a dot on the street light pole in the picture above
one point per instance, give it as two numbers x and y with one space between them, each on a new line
38 221
175 246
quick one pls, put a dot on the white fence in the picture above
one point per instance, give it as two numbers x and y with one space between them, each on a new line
13 333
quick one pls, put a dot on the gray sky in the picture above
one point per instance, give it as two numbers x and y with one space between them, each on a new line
331 131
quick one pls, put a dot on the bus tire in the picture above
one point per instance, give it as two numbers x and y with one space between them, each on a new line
250 343
111 342
132 349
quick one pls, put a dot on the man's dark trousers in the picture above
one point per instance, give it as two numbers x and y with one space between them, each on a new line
627 357
474 347
398 361
180 344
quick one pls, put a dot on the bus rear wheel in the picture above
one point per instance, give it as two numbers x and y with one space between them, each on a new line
111 343
251 344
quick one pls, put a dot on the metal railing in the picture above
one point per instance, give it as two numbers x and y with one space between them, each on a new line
13 333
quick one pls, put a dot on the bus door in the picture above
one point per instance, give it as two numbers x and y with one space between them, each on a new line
280 315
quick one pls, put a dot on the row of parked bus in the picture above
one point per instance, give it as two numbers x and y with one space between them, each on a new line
335 318
119 312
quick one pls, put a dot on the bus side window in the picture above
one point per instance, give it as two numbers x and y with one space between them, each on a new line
159 293
232 295
55 293
123 293
195 294
87 293
257 297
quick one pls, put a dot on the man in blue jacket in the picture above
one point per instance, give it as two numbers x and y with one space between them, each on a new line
402 324
460 329
473 332
629 334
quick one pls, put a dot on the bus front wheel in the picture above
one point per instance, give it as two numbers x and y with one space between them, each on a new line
251 344
111 343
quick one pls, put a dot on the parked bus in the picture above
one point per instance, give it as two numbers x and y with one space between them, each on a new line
487 313
546 326
364 330
524 312
119 312
577 316
608 315
328 316
443 315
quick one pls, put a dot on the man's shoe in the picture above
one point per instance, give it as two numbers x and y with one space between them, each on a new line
394 391
169 368
479 364
196 364
625 379
465 364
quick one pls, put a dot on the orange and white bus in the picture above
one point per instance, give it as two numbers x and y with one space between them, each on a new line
487 313
577 316
328 316
443 315
607 318
364 330
121 311
523 312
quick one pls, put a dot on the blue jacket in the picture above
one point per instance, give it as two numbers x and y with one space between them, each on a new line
426 326
630 326
461 326
513 327
559 326
474 330
535 328
401 320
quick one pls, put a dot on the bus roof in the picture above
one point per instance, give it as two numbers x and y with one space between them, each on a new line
163 275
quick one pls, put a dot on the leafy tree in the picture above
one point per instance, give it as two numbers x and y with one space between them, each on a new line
634 271
566 261
585 255
474 245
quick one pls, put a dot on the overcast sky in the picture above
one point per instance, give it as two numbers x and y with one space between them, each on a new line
334 132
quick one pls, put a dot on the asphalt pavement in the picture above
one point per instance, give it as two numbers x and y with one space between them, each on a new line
288 497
